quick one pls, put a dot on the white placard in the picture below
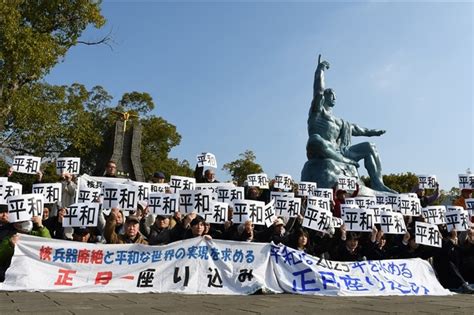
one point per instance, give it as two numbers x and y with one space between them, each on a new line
178 183
24 207
466 181
143 190
337 222
458 220
359 220
307 189
434 214
163 204
427 234
380 198
26 164
121 196
9 189
82 215
405 205
284 182
287 207
71 165
245 210
326 193
317 219
269 213
212 187
258 180
392 222
427 181
206 160
198 201
346 183
51 191
391 200
365 202
377 210
228 194
278 194
344 207
319 202
160 187
470 206
218 213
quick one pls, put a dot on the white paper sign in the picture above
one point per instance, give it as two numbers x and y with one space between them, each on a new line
245 210
319 202
26 164
228 195
391 200
427 234
82 215
51 191
218 213
143 190
392 222
71 165
284 182
8 189
258 180
163 204
427 181
466 181
317 219
269 213
377 210
178 183
287 207
359 220
120 196
307 189
24 207
160 187
326 193
198 201
206 160
458 220
346 183
470 206
435 214
365 202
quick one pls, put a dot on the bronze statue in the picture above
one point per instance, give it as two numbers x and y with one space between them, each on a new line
329 150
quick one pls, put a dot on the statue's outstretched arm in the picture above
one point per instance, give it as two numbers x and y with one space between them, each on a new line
319 84
361 131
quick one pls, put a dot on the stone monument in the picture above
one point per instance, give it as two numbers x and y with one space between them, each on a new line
329 150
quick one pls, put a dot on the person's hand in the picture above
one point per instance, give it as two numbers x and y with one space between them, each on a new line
406 237
177 216
453 236
39 175
67 177
61 214
343 232
10 171
37 220
227 225
379 236
14 239
207 237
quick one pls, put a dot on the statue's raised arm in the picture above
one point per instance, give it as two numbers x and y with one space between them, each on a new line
319 85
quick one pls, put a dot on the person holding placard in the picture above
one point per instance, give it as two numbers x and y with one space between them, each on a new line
209 176
131 234
461 201
69 187
7 246
425 200
340 199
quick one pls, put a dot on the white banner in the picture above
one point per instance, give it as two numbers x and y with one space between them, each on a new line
51 192
197 266
427 181
178 183
71 165
428 234
258 180
206 160
300 273
26 164
24 207
81 215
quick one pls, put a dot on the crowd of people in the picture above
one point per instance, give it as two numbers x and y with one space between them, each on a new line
453 262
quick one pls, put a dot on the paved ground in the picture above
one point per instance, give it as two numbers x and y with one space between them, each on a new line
73 303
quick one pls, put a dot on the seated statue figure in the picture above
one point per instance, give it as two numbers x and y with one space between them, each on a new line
329 150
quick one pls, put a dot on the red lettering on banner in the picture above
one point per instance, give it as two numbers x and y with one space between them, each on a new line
83 256
103 277
45 253
97 257
64 278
